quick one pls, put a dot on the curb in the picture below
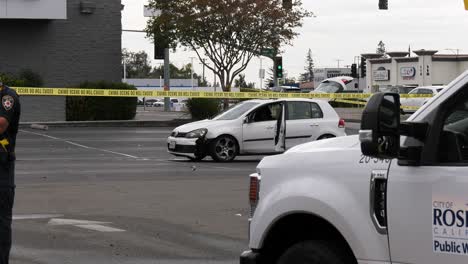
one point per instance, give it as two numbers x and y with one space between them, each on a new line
126 123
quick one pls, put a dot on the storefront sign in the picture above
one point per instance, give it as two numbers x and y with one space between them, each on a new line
382 75
407 73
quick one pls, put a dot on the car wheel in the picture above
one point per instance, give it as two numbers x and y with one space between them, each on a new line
313 252
224 148
325 136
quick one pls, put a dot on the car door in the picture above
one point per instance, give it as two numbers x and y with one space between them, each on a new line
303 121
259 131
427 205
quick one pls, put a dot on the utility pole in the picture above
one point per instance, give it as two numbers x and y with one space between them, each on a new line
167 80
191 71
338 60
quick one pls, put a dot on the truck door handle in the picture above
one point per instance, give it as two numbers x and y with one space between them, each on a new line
314 125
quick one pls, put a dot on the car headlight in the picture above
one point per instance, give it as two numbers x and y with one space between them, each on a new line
198 133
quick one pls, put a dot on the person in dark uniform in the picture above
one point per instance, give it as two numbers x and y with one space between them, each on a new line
9 120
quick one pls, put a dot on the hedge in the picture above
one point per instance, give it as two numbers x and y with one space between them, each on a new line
25 78
203 108
101 108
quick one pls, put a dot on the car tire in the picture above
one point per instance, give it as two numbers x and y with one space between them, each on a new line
325 136
224 149
314 252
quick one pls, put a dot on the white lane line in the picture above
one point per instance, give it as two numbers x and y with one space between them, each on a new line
81 146
35 216
91 225
100 228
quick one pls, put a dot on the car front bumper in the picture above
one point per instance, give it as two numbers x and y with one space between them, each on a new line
187 147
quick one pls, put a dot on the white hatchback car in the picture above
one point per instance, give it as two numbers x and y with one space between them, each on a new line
414 103
248 128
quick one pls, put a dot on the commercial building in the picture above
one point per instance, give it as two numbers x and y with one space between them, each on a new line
65 41
320 74
427 68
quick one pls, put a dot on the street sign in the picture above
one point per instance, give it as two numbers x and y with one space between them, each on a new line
269 52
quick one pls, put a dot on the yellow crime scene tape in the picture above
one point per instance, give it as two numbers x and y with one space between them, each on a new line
191 94
338 97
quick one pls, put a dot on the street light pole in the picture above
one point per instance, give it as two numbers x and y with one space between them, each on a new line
167 80
191 70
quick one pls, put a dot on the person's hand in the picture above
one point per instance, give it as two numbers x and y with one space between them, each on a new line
3 125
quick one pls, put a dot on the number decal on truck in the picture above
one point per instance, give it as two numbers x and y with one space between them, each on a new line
367 160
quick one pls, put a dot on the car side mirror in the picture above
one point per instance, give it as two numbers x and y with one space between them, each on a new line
380 126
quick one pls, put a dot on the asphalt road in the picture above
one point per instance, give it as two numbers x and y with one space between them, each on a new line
113 195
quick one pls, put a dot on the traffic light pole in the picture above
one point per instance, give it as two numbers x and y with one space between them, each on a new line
275 73
167 80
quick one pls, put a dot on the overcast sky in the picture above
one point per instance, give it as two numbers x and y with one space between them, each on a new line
341 30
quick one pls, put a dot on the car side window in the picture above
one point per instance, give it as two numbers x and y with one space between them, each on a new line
303 110
299 110
425 91
267 112
453 145
316 111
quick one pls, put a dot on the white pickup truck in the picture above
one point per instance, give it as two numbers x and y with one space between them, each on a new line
398 193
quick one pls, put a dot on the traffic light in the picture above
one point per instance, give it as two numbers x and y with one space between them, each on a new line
363 67
279 67
383 4
354 70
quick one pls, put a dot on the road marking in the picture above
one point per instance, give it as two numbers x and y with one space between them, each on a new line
35 216
100 228
81 146
91 225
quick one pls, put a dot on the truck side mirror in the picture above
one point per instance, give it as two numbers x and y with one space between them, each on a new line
380 126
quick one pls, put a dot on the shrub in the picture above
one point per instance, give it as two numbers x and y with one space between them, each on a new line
26 78
203 108
83 108
31 78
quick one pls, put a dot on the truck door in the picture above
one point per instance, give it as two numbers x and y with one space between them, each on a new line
427 205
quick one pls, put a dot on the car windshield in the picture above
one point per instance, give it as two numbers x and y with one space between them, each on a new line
329 87
236 111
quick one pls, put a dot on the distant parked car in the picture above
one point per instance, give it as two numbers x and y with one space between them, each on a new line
248 128
418 102
159 103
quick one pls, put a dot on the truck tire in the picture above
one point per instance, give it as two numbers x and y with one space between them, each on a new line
313 252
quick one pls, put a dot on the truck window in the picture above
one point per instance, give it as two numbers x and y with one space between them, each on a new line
453 146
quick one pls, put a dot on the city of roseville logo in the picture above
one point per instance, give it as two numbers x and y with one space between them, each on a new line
449 227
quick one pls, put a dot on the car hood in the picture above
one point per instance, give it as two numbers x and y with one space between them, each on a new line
207 123
334 144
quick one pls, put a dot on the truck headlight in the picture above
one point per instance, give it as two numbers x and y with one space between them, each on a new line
197 133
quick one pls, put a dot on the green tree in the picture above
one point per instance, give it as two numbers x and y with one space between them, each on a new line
308 75
242 83
136 63
227 32
381 48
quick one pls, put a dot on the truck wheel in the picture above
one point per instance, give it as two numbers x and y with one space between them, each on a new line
313 252
224 148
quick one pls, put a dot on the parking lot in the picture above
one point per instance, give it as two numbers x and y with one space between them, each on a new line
114 195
